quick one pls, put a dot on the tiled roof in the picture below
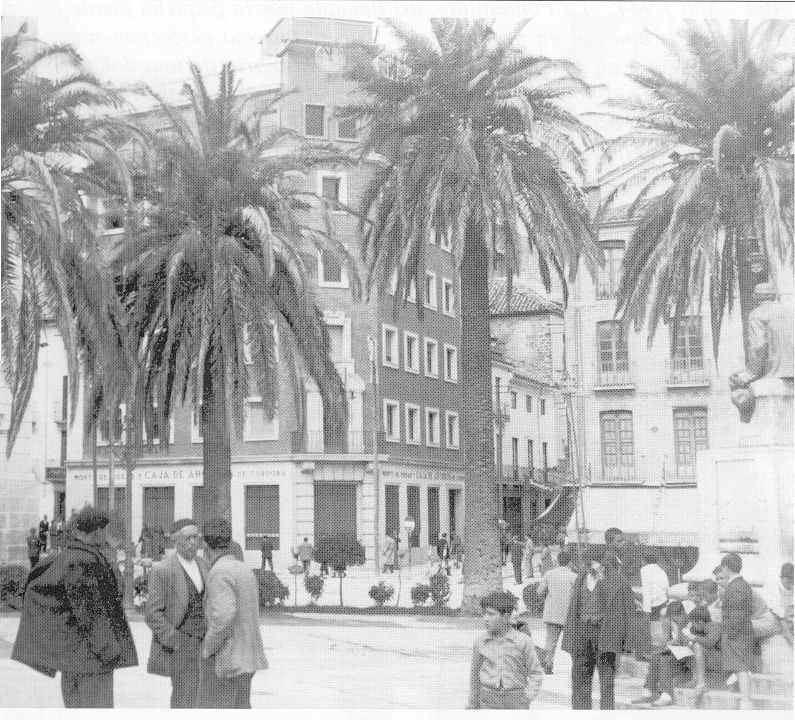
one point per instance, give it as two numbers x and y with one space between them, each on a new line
523 301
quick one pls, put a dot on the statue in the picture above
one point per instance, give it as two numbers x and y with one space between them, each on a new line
770 348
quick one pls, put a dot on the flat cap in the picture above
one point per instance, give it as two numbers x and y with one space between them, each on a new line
179 524
90 519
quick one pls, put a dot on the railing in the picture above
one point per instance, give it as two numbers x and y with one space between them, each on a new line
620 474
614 378
315 441
606 287
688 372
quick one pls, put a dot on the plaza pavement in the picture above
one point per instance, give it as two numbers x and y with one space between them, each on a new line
323 660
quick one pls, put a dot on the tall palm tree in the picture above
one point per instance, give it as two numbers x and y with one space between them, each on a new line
56 150
216 276
723 126
469 137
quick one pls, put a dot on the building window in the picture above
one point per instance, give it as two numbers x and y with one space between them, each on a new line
337 344
448 297
690 436
451 426
613 353
618 448
411 354
262 515
450 363
528 403
389 345
530 457
392 420
609 275
392 287
413 507
542 406
151 426
514 399
315 124
256 424
330 270
446 240
544 458
515 455
433 515
431 357
432 427
430 291
392 510
111 429
346 128
411 293
412 424
687 348
330 188
196 430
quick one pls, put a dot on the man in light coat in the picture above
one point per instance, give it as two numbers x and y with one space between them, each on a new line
556 585
232 650
175 614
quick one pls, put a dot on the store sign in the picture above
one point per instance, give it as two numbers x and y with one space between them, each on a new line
250 474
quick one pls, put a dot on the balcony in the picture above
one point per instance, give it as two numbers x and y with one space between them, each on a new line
314 441
687 372
620 379
606 288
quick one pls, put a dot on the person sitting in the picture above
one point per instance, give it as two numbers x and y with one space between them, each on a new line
669 654
703 636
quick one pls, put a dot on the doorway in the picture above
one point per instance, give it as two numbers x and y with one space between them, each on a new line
159 508
455 512
335 510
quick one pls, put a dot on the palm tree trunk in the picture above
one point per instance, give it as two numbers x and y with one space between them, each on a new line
216 451
482 568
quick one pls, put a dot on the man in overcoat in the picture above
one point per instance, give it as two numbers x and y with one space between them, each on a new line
175 614
596 629
232 650
73 620
737 638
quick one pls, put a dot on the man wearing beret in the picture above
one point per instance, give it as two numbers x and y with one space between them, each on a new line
73 619
232 650
175 614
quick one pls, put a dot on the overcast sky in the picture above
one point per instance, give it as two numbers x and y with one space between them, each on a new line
153 40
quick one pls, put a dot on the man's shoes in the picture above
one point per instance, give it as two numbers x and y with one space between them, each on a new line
663 701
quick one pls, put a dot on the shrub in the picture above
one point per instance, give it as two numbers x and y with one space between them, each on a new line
440 589
420 594
339 551
271 589
381 593
12 584
314 586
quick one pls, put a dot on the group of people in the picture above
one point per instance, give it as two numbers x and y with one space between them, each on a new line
718 627
203 614
48 537
526 557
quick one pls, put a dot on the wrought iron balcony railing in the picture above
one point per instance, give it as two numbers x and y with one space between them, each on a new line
688 372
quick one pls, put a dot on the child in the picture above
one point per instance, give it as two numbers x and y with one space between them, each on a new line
505 672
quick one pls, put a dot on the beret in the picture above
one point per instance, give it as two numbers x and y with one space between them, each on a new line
90 519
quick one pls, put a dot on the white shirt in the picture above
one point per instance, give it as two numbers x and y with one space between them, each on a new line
192 568
654 586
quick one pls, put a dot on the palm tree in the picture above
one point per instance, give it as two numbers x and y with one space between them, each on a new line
56 150
215 274
722 194
468 135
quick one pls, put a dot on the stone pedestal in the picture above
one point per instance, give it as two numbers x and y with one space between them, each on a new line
746 494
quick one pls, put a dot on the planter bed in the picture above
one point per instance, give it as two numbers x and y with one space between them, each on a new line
372 610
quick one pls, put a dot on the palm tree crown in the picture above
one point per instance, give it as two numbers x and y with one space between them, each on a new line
703 209
469 140
57 150
217 270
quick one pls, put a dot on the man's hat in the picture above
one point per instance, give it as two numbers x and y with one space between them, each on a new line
179 524
90 519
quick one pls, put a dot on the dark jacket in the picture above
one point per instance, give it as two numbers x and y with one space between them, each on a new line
165 609
737 642
619 604
72 617
442 548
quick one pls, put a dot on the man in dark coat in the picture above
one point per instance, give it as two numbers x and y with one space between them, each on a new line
443 551
175 614
737 638
34 548
73 619
517 552
44 531
596 629
267 553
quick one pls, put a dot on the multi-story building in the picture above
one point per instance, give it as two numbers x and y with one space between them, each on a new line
289 481
645 409
531 453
